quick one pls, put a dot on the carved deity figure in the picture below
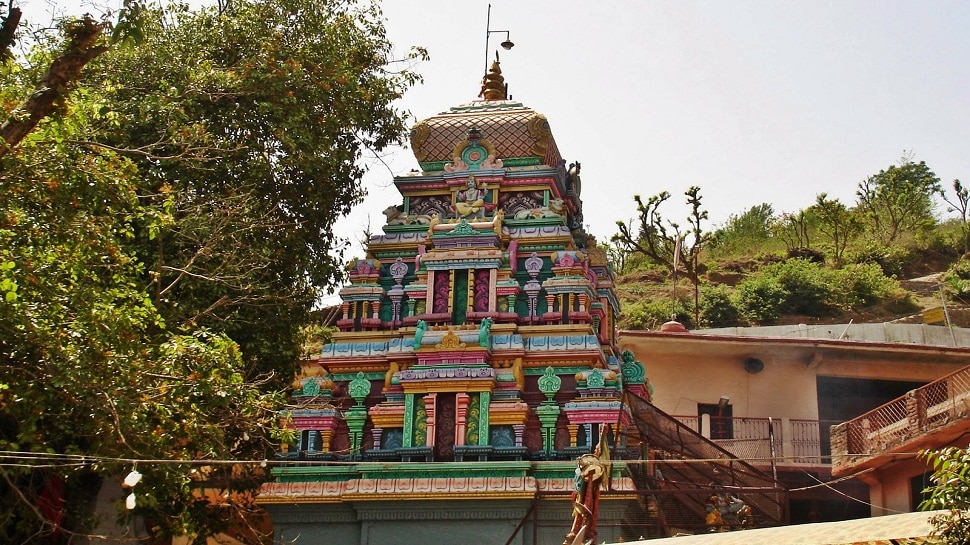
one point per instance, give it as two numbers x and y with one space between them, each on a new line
470 202
483 332
419 330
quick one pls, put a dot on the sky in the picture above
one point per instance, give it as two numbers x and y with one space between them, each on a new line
754 101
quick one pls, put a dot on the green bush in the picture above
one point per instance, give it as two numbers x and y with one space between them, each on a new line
956 281
861 285
650 315
718 308
891 259
949 492
808 286
760 299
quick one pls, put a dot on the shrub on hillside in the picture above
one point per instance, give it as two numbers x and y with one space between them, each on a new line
760 300
864 284
891 259
956 281
808 286
651 314
808 254
718 308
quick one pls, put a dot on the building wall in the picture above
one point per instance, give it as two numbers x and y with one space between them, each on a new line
435 523
890 489
785 388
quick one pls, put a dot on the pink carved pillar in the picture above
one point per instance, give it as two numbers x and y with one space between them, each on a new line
492 297
345 310
429 407
519 430
376 434
429 294
461 417
376 307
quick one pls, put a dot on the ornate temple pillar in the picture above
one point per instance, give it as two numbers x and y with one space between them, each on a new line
356 416
519 430
409 414
451 292
376 436
429 407
573 433
326 436
484 401
492 297
470 292
461 417
548 411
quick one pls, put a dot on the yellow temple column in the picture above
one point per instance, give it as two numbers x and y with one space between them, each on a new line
573 433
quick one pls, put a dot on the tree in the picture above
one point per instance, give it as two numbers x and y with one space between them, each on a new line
899 200
795 229
749 230
839 223
950 491
273 103
653 240
960 202
164 232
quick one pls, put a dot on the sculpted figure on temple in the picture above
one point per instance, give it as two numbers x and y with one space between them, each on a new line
470 202
393 368
419 330
483 332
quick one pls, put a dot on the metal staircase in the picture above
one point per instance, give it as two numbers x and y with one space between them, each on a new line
677 470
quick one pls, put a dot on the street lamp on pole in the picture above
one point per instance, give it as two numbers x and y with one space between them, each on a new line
507 44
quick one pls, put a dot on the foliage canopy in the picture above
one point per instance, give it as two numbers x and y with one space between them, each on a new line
165 229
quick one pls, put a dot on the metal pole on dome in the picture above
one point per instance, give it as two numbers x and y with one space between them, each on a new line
488 25
506 45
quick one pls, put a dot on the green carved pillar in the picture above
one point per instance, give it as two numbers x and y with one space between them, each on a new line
356 416
548 410
483 402
408 439
415 422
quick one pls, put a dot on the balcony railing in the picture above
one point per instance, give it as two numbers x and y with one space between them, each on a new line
767 442
902 420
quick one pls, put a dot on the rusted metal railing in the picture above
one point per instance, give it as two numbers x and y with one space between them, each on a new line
903 419
764 442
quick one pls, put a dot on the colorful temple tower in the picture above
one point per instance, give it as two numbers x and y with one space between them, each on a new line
475 358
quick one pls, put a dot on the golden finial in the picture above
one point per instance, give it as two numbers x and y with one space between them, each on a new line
493 84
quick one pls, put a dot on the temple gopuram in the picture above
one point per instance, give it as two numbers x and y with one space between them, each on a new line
475 358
